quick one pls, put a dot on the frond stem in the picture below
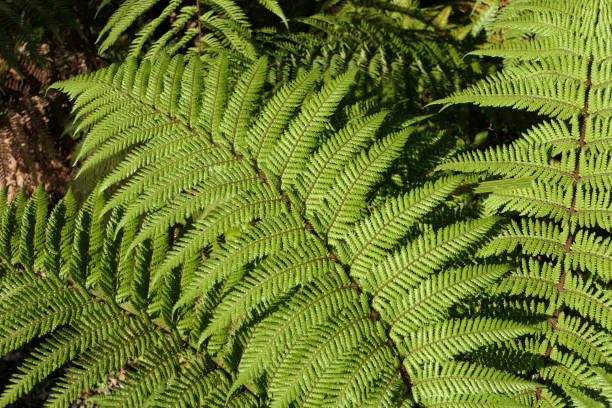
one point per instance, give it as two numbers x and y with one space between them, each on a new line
584 116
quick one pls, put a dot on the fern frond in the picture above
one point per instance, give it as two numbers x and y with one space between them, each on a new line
59 300
284 273
555 64
63 346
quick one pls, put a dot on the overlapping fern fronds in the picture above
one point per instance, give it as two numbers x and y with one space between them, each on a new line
409 59
561 68
62 279
246 228
193 25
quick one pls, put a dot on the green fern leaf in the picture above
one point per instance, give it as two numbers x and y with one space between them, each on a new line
555 64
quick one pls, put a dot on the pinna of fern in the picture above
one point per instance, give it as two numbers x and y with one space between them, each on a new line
560 67
273 264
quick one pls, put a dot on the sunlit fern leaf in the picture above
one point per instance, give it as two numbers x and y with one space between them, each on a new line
125 15
556 66
479 401
328 159
275 8
559 98
422 256
218 248
582 400
239 106
272 278
94 334
273 338
190 386
462 379
21 318
346 201
103 274
94 364
603 381
295 145
296 371
159 362
451 338
266 130
431 300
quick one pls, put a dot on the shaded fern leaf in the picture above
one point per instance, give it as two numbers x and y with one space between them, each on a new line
194 25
